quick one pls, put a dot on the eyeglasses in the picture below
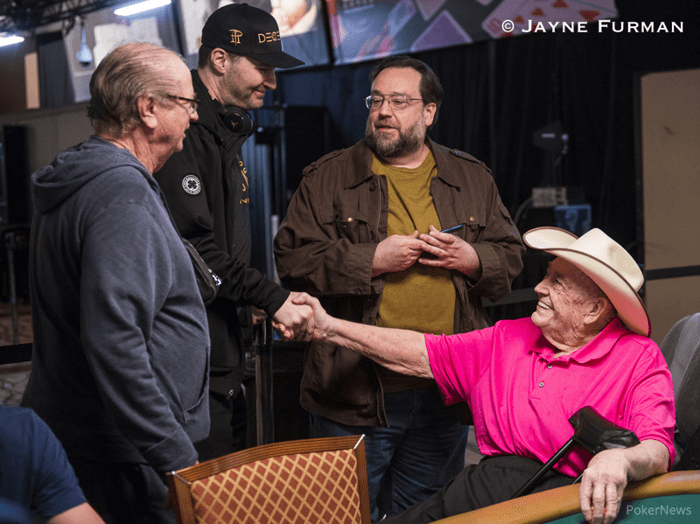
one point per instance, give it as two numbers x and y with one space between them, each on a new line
397 102
192 103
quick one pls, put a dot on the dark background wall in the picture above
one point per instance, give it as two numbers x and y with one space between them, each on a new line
499 92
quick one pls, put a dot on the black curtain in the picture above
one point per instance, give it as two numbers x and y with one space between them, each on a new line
499 92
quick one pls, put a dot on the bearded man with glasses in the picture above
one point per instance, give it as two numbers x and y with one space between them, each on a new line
363 233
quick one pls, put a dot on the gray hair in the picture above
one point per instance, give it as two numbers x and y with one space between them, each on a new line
124 76
589 290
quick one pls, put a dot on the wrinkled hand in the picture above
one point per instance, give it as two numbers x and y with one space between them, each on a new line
396 253
602 484
451 252
321 320
294 321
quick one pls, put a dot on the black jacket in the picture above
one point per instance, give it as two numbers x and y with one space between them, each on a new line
206 188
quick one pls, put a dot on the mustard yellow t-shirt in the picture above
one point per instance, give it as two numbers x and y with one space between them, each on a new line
421 298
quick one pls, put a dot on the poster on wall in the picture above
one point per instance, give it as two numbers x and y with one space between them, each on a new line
302 26
101 31
369 29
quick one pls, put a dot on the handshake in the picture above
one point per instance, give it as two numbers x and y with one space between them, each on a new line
301 317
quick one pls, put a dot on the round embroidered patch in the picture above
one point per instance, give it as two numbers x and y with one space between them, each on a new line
192 185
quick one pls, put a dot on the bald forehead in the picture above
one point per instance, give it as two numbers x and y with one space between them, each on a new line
178 75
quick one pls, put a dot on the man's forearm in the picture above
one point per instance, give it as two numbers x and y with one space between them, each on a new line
646 459
400 350
81 514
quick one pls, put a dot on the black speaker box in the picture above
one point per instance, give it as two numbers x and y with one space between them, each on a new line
15 200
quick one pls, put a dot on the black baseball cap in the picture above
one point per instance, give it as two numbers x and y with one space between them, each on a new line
245 30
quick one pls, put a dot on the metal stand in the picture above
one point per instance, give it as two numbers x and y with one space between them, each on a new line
264 409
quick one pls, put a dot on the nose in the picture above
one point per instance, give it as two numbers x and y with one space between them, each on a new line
194 116
541 287
385 107
270 81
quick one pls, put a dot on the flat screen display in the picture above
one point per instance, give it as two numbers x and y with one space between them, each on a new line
369 29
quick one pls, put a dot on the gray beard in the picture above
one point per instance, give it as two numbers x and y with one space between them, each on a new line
404 145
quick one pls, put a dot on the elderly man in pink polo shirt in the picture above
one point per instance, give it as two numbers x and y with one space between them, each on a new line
586 344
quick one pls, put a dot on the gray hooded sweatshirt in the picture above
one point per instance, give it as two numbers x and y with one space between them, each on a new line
121 346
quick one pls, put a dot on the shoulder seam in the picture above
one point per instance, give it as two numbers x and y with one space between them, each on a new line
313 166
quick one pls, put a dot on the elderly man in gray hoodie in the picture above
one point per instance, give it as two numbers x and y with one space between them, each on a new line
121 343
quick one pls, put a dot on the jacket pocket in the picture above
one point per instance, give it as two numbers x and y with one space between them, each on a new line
352 225
474 230
194 412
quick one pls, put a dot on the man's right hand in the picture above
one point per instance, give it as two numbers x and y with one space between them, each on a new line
396 253
294 320
321 321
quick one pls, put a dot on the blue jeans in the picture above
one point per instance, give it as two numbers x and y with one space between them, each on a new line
421 450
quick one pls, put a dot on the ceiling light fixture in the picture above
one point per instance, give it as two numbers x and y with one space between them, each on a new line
6 39
140 7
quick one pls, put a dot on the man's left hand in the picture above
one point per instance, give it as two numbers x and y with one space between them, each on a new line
608 472
602 485
450 252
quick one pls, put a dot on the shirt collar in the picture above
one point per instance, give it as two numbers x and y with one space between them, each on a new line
596 349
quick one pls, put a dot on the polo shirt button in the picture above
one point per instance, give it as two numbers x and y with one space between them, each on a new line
541 384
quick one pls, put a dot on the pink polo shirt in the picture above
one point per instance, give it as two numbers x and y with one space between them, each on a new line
522 395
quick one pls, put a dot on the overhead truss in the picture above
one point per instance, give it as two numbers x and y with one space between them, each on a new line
26 15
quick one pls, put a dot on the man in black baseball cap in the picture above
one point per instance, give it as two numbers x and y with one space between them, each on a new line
206 186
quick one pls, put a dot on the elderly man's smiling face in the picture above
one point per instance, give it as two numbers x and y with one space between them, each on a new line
566 297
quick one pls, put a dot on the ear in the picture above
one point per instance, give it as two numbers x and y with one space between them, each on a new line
147 105
429 113
597 312
220 60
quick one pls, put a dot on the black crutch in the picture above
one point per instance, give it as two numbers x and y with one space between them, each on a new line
593 433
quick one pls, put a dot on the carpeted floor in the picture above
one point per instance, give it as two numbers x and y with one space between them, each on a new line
23 332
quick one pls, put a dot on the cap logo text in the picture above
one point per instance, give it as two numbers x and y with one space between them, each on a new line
235 36
271 36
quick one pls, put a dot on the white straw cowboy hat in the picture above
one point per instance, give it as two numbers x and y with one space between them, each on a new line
606 262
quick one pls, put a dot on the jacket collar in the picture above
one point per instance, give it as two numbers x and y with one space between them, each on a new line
360 165
209 117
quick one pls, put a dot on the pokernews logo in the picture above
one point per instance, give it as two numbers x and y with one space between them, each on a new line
658 511
599 26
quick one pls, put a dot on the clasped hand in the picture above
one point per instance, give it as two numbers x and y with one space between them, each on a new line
399 252
294 320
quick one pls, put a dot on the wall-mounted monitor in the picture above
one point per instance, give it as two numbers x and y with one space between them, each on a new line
369 29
